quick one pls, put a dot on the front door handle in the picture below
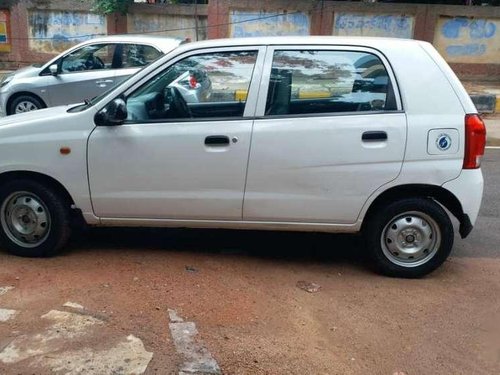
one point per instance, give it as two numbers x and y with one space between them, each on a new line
372 136
104 82
217 140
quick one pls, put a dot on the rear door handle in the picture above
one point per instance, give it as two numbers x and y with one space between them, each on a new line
217 140
374 136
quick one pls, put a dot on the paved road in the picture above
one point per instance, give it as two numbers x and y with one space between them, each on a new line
160 301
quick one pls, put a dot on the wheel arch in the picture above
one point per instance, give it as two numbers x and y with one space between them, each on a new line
39 177
434 192
23 93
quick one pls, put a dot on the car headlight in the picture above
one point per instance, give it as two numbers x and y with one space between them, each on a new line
6 79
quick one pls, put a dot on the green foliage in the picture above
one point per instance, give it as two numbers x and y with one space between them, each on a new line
111 6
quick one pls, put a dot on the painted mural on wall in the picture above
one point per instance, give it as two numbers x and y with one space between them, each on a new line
249 23
167 25
4 27
468 40
55 31
373 24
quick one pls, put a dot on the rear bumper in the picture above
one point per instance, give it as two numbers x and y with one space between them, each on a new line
468 188
465 226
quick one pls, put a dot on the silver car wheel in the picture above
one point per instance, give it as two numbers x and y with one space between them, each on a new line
25 219
411 239
25 106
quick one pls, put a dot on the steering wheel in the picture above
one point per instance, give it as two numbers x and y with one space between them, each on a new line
94 62
178 105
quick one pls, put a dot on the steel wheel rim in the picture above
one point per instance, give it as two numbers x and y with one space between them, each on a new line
411 239
25 106
25 219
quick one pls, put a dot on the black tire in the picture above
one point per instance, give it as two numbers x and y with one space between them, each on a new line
392 257
35 102
55 209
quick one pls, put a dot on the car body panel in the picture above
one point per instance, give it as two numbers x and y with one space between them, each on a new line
175 175
43 133
288 180
213 181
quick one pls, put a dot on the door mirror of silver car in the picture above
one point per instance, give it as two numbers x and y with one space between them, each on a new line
115 113
53 69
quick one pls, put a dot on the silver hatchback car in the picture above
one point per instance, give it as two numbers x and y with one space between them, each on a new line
82 72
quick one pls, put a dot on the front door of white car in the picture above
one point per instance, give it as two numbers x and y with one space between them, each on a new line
177 160
329 133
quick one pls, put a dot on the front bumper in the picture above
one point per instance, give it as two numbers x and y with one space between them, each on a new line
3 104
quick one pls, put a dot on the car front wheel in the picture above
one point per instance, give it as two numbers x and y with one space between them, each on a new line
409 237
25 103
34 219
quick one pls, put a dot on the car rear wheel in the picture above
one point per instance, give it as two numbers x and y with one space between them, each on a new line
34 219
25 103
409 238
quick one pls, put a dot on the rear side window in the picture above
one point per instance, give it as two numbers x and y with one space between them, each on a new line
319 81
136 55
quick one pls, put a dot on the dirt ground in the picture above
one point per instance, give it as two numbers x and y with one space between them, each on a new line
240 289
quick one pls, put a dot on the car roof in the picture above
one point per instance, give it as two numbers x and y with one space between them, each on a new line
166 44
374 42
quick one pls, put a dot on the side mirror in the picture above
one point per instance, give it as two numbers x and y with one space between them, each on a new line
115 113
54 70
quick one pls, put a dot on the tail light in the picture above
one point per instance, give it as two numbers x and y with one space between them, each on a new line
193 83
475 141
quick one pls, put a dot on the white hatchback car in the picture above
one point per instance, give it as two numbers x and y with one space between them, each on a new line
323 134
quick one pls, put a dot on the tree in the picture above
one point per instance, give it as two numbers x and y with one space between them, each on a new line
111 6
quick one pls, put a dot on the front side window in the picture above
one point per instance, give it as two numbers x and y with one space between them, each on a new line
91 57
202 86
309 81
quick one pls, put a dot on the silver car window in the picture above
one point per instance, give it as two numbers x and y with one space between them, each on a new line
90 57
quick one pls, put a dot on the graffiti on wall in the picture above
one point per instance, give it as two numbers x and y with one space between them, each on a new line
55 31
167 25
373 24
4 27
249 23
468 40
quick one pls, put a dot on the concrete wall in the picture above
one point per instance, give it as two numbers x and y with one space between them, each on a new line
42 28
169 20
475 51
467 36
373 24
468 40
53 31
25 48
245 23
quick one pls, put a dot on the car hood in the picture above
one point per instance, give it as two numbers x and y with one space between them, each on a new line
34 116
28 71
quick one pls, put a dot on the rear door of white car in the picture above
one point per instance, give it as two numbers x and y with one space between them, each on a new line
164 164
329 132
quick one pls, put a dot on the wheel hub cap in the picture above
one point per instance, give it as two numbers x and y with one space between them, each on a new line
25 106
25 219
411 239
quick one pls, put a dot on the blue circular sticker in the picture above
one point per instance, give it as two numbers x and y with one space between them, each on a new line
443 142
